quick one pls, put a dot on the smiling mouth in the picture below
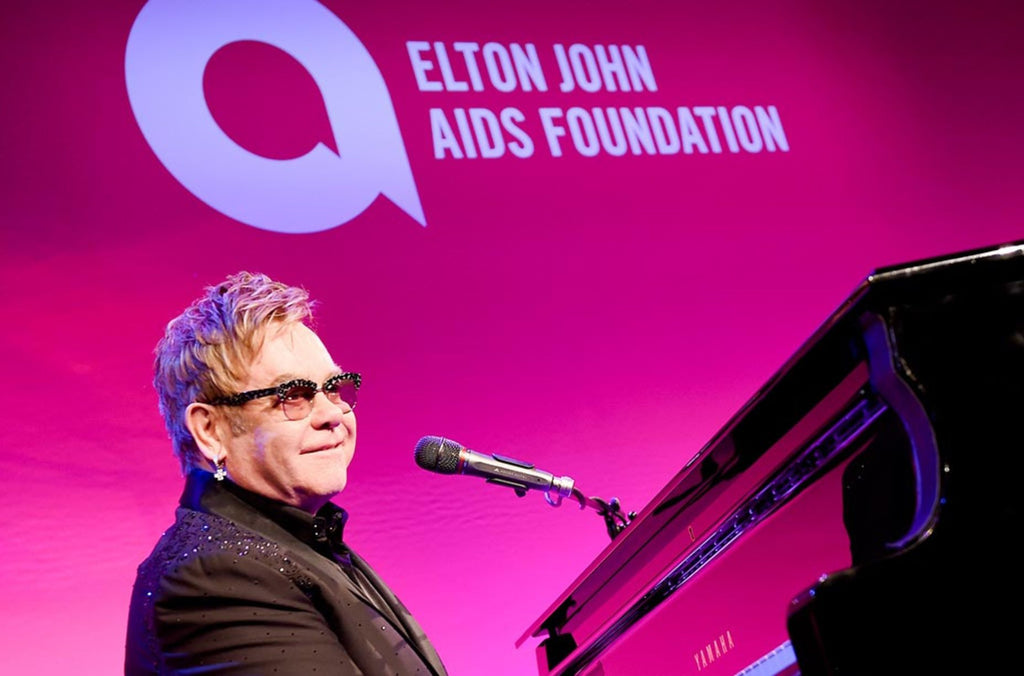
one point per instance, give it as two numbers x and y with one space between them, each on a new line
322 449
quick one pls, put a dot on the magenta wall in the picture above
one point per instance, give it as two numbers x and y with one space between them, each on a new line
598 314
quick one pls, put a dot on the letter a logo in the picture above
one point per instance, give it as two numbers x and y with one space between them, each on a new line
168 48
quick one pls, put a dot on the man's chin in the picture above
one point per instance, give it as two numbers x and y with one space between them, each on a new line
326 486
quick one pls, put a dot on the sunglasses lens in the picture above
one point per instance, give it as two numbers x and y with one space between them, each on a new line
343 391
297 401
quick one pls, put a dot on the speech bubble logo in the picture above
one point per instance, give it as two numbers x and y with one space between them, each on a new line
168 49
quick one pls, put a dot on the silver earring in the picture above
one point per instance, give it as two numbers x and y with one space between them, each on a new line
219 471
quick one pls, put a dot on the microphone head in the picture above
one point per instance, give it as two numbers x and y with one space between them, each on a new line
437 454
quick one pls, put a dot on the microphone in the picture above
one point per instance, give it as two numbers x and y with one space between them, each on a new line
445 456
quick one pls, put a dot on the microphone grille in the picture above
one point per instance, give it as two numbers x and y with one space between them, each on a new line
437 454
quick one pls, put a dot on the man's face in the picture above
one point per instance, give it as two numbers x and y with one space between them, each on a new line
300 462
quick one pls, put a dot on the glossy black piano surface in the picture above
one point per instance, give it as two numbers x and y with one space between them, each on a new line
858 515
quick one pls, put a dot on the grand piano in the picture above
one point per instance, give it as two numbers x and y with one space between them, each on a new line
859 514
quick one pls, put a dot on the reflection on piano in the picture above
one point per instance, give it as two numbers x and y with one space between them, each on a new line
856 516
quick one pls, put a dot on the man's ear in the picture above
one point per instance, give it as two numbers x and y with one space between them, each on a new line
202 423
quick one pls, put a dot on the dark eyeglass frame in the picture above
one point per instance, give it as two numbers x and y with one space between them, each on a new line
286 393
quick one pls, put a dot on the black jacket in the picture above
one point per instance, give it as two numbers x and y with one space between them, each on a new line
230 590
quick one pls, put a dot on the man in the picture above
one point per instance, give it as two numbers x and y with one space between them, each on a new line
254 576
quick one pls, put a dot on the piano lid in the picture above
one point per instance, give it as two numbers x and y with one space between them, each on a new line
824 375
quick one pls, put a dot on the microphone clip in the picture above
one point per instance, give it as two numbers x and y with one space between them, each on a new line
519 488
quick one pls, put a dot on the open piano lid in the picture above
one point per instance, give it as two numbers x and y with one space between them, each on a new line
848 517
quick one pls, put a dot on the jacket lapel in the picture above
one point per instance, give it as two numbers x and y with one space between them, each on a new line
415 635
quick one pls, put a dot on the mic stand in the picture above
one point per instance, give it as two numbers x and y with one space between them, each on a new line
614 518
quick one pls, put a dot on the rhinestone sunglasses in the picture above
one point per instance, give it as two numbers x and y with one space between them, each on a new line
296 396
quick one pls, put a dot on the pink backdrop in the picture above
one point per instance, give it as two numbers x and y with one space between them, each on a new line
601 316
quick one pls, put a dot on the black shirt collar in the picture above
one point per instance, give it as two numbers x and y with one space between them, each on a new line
323 531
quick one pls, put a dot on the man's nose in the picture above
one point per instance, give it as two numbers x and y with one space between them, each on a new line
327 412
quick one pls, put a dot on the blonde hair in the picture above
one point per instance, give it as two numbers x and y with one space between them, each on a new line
206 350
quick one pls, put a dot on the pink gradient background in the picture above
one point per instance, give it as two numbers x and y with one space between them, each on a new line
600 317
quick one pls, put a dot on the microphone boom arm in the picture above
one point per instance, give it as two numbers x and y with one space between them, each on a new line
615 520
